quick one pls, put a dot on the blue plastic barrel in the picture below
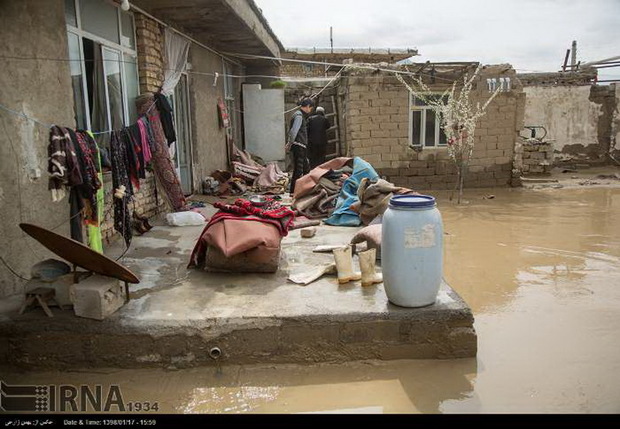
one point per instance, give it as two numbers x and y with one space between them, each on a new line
412 250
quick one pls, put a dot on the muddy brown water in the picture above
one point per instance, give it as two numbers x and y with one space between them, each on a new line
541 272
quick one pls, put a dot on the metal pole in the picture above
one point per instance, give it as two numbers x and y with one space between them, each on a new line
331 38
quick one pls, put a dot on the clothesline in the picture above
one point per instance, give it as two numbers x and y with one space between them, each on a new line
214 74
46 125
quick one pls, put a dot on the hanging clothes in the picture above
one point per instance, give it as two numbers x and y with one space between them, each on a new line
76 207
144 140
132 161
167 122
136 141
62 165
120 179
163 166
95 240
90 179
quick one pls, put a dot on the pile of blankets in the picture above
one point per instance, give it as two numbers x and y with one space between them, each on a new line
244 228
345 191
247 174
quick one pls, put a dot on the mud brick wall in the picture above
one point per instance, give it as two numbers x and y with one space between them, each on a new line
377 123
537 158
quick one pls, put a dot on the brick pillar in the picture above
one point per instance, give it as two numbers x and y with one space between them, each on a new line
150 53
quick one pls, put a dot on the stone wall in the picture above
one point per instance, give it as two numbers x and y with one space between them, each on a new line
377 124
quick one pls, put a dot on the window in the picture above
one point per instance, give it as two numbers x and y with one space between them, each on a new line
425 126
104 68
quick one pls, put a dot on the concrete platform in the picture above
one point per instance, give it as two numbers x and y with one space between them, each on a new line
177 316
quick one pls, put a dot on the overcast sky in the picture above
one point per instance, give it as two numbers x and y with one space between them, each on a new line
532 35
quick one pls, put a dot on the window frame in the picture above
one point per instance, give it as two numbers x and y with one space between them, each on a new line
413 107
123 51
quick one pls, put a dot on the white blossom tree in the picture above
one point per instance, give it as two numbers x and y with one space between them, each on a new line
458 115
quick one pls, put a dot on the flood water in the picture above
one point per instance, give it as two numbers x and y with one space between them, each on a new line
541 272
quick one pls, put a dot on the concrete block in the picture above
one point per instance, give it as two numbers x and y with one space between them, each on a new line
97 297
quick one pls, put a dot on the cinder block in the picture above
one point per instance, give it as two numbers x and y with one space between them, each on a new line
97 297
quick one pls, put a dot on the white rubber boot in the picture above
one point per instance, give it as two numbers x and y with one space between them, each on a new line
344 265
368 261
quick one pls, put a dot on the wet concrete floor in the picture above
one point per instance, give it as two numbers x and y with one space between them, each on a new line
541 272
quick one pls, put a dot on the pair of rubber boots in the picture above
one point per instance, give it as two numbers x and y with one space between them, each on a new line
344 265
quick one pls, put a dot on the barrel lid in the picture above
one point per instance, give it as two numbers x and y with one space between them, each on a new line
413 201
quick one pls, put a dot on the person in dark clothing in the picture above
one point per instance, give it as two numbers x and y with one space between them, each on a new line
318 125
297 141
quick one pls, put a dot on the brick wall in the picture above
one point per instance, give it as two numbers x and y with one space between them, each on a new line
150 40
377 129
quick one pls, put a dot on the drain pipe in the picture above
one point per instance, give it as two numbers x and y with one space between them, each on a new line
215 353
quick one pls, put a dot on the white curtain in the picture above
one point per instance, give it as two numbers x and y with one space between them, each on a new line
177 48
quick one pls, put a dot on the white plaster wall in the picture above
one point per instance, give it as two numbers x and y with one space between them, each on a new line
264 122
566 112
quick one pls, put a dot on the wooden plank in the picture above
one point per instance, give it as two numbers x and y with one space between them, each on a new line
336 126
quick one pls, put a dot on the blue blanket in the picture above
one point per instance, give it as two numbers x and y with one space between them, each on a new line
343 215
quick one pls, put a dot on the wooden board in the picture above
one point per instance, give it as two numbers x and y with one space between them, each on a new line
78 254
